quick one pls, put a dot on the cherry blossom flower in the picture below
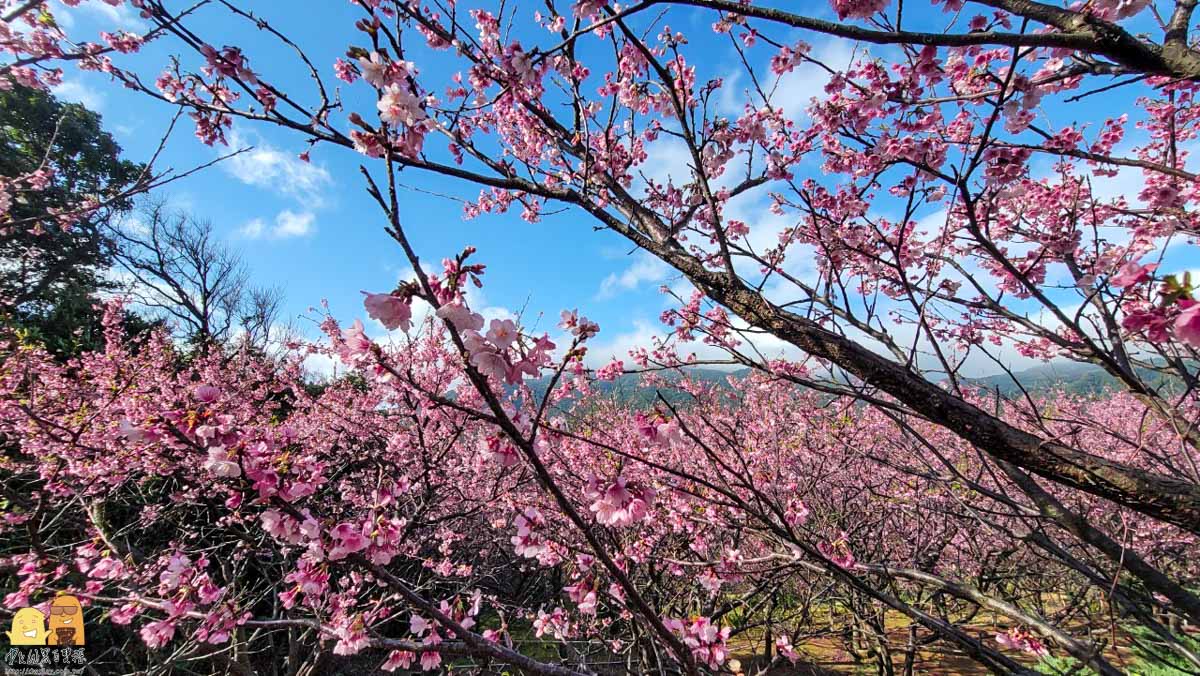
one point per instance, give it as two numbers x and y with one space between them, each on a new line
398 105
499 451
1018 638
784 646
705 639
398 659
1132 274
374 69
1187 324
502 333
616 505
430 660
157 634
390 310
348 539
415 464
838 551
221 465
553 623
858 9
460 316
345 71
355 344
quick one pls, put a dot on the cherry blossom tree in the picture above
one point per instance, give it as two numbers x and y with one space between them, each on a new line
948 196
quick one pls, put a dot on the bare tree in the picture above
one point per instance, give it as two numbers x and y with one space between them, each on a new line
260 314
178 268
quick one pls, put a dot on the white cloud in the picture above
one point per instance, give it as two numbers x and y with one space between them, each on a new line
292 224
669 160
122 16
287 224
792 92
645 268
321 367
134 223
266 166
731 99
77 92
646 333
602 350
253 230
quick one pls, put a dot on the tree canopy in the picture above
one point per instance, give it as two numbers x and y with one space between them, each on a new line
974 179
54 157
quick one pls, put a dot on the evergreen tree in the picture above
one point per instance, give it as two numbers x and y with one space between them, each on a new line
49 273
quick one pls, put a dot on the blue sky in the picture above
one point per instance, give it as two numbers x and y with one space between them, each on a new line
312 230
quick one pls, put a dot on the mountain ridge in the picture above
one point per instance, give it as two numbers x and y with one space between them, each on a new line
1072 377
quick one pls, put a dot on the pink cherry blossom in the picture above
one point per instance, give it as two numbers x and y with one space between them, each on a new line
374 69
860 9
838 551
355 342
158 634
1132 274
220 464
856 252
502 333
617 505
430 660
1187 324
461 317
1019 638
398 659
390 310
398 105
348 539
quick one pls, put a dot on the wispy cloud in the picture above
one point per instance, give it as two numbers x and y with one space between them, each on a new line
670 161
288 224
646 332
794 91
791 92
645 268
77 92
121 16
268 167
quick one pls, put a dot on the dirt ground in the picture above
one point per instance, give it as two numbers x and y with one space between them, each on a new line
825 657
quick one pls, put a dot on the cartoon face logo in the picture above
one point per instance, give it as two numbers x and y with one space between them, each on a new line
66 622
28 627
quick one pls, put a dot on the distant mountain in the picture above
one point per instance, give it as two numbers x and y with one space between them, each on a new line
631 389
1073 377
1070 376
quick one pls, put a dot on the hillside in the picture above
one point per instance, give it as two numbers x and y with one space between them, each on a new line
1071 377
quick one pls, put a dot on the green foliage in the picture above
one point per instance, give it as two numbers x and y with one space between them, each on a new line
1152 657
1062 666
1069 377
49 273
631 390
70 326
